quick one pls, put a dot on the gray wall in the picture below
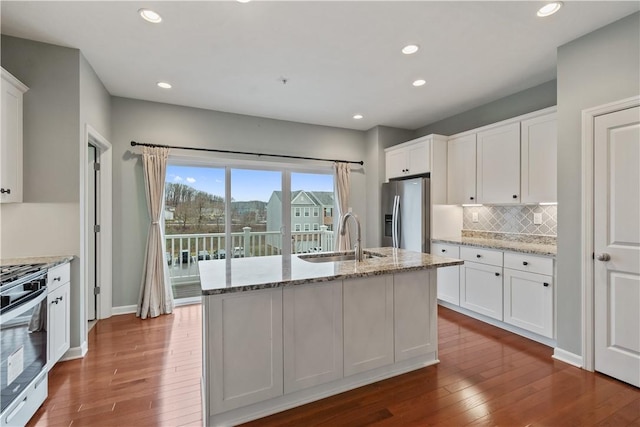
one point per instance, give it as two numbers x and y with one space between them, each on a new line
63 93
158 123
601 67
532 99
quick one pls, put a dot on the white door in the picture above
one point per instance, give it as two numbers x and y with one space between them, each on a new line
92 249
617 244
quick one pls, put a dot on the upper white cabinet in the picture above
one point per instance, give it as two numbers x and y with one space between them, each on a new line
408 159
461 170
11 142
539 142
498 165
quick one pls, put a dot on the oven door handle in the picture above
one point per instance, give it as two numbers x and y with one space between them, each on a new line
41 295
17 409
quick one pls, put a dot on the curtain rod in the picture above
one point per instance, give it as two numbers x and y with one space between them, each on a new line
215 150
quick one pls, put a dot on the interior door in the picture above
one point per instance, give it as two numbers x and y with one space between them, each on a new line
617 244
91 232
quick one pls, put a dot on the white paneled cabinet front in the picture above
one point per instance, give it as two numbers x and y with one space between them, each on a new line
481 288
415 314
498 165
312 335
11 138
408 159
528 301
461 170
245 340
59 312
539 142
368 323
448 277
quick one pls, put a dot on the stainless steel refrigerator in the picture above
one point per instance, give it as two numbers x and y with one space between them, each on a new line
405 214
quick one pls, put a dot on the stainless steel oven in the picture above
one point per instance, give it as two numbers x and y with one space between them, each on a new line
23 339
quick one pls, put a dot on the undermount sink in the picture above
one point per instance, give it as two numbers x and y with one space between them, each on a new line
340 256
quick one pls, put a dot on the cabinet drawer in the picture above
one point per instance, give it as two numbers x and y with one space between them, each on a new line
483 256
530 263
58 275
444 249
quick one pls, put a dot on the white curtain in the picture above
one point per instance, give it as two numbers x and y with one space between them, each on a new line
156 297
343 185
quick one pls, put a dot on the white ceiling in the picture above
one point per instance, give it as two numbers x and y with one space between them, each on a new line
339 57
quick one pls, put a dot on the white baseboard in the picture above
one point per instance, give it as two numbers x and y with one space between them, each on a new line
76 352
567 357
125 309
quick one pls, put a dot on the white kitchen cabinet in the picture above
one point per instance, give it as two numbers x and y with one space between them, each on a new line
528 301
481 281
59 312
498 165
415 314
244 332
312 324
368 323
11 139
448 277
461 170
408 159
539 142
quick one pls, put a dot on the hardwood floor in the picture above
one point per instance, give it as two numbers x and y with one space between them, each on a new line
147 373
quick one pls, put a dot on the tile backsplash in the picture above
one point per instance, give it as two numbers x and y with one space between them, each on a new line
512 219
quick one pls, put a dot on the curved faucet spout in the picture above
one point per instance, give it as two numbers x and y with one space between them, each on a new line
343 230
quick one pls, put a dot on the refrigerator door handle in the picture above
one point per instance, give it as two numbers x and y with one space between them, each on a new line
396 206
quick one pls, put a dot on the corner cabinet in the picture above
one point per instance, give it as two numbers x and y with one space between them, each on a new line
11 142
539 159
59 312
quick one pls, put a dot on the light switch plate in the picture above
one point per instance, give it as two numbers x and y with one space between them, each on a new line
537 218
474 216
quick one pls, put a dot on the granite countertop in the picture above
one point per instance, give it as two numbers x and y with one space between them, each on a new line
52 261
254 273
533 248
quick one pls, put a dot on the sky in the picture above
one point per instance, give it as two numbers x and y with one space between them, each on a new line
245 184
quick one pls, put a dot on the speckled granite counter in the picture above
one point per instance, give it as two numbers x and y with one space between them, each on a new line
534 248
52 261
248 274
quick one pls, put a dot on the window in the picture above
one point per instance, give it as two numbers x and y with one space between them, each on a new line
316 212
296 212
328 212
316 226
307 227
297 227
306 211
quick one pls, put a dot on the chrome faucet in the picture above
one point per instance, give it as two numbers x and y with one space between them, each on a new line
343 230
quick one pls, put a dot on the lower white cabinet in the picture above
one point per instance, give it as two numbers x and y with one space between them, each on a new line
58 312
312 324
448 277
245 340
368 323
481 288
415 314
528 301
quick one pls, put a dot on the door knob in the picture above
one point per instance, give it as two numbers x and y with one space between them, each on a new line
603 257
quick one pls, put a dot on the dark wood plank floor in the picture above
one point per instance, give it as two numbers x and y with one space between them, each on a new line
147 373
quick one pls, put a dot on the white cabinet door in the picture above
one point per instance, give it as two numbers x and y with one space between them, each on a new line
539 141
395 163
59 328
481 289
245 348
312 319
415 314
528 301
411 158
461 170
368 323
418 158
11 139
498 165
448 277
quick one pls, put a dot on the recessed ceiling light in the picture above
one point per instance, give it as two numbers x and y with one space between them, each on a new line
358 116
150 15
410 48
549 9
243 1
164 85
419 82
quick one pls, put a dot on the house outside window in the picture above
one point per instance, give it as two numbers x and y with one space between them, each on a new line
296 212
307 227
316 212
306 212
316 226
297 227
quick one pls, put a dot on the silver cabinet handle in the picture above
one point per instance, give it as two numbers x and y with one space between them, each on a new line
603 257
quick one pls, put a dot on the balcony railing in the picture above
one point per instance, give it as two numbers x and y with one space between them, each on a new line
185 250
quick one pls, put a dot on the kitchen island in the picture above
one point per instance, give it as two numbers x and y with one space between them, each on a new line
282 331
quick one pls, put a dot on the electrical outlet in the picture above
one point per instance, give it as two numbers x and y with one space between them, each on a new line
537 218
474 216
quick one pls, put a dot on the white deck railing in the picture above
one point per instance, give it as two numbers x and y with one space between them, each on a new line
185 250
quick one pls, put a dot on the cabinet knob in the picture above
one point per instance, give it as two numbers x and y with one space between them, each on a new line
5 191
515 196
545 284
497 274
471 198
444 250
525 263
478 256
56 279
